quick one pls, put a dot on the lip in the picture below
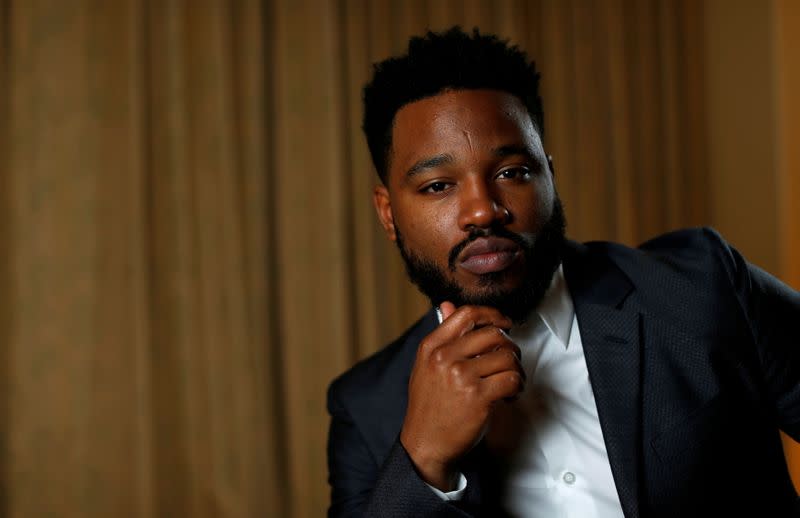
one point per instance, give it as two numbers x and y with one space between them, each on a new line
488 255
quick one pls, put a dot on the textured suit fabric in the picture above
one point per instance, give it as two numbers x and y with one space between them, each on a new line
694 360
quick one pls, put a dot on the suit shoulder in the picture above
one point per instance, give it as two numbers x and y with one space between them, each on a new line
681 250
685 263
690 242
682 276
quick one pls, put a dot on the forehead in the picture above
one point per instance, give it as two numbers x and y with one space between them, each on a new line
460 121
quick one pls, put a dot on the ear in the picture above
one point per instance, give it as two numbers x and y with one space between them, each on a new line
550 165
383 206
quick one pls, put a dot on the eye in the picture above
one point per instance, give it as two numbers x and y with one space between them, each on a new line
435 187
514 173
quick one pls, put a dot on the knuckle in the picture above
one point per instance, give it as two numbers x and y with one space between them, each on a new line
470 390
470 312
438 357
425 345
457 372
506 346
515 380
497 337
512 348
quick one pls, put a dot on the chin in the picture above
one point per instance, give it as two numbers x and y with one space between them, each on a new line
492 286
505 280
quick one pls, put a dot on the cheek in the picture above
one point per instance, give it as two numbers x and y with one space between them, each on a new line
428 231
531 210
547 198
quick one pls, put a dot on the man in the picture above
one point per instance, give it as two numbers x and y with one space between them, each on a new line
551 378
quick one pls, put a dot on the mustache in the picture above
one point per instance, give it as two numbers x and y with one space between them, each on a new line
476 233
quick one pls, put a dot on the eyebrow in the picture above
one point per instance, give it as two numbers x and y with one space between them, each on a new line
429 163
444 159
511 150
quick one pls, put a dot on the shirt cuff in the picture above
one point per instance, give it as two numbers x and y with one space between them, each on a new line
454 495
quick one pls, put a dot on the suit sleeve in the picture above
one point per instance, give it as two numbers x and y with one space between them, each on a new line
360 487
772 310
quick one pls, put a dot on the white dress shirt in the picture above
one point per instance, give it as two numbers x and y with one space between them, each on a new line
558 461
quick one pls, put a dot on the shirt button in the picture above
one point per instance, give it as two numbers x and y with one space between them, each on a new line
569 478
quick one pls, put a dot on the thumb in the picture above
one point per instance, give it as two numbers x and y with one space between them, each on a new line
447 309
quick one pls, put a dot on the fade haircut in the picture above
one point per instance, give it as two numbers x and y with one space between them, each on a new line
440 62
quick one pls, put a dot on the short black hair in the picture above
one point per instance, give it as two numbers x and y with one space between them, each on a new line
438 62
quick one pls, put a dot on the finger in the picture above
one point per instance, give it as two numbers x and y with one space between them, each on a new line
466 318
480 341
496 361
503 385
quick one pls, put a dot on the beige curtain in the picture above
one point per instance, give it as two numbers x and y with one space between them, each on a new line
136 315
188 253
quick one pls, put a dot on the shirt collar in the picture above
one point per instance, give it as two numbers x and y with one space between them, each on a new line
556 309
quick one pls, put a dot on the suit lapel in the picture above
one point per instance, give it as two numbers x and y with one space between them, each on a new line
611 342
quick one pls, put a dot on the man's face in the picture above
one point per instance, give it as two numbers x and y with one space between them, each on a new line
470 201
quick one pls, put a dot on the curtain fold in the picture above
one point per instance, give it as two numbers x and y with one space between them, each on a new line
6 225
189 254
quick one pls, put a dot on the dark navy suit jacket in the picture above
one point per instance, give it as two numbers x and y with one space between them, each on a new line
694 360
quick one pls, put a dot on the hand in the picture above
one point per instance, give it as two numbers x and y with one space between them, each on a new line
462 369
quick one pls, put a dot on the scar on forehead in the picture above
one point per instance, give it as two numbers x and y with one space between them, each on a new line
469 139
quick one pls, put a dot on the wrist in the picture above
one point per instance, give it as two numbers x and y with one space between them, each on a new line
440 476
433 471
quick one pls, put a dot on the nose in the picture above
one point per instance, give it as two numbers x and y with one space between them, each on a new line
480 207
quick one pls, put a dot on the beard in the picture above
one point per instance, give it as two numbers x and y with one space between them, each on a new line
541 256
